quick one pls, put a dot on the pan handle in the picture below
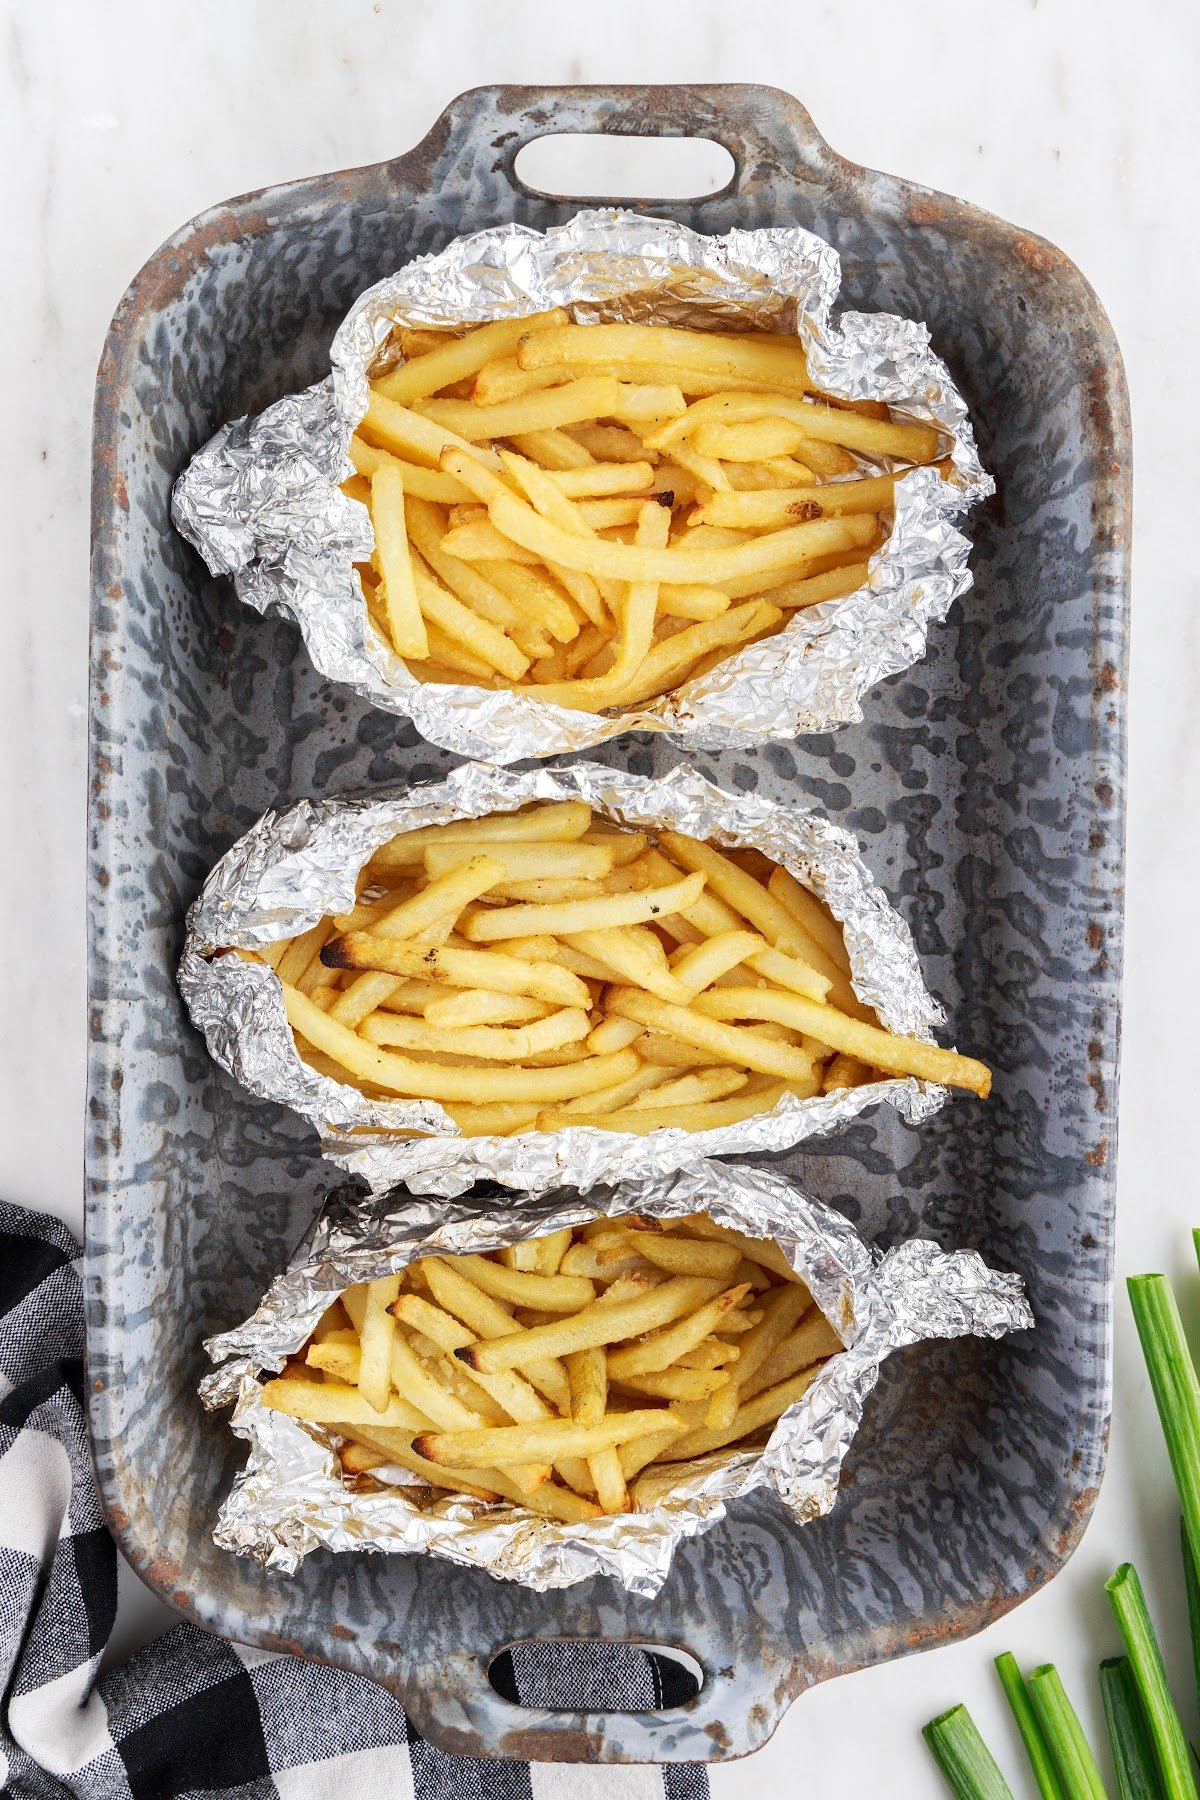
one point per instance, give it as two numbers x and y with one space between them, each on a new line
734 1713
767 133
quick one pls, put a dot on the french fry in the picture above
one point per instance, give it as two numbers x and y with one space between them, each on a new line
687 1256
585 915
653 345
461 356
552 449
419 482
600 1323
870 1043
519 524
376 1335
478 635
332 1402
660 1350
427 1080
560 821
811 1341
706 1115
752 1416
812 421
466 968
525 862
587 1374
807 910
489 1318
604 478
479 1006
678 1384
550 1440
549 1293
406 625
495 1043
697 1024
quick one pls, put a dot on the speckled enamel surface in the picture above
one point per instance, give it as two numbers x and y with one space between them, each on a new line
986 787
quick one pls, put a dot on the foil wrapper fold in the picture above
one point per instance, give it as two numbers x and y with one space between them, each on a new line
262 501
292 1499
294 868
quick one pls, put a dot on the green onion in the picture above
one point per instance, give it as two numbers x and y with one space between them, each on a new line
1036 1747
1064 1734
1137 1771
1196 1243
1176 1389
1191 1582
1150 1678
964 1758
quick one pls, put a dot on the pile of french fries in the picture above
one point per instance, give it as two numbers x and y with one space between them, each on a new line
546 968
569 1374
599 513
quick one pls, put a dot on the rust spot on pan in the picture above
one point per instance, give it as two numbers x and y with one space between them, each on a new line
1096 1159
925 210
1036 253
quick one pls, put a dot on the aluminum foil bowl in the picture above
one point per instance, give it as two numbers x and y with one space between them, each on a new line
295 867
291 1497
262 501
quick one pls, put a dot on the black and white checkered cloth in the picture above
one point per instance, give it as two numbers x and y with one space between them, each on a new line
191 1714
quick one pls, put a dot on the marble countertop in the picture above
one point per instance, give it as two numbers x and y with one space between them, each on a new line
119 123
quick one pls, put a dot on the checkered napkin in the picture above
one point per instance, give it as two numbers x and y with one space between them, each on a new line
190 1714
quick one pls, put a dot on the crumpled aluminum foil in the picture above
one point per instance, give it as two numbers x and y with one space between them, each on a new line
293 868
262 503
291 1498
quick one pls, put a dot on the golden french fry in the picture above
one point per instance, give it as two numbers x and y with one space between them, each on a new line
697 1024
604 478
560 821
461 356
552 449
520 524
706 1115
495 1043
445 896
782 1309
464 626
419 482
601 1323
664 1348
406 626
613 1034
716 353
491 1318
468 968
770 508
752 1416
678 1384
550 1293
843 1072
480 1006
812 421
687 1256
587 1374
396 1447
413 438
604 1466
584 915
505 1445
376 1337
808 911
432 1081
811 1341
870 1043
739 890
526 862
331 1402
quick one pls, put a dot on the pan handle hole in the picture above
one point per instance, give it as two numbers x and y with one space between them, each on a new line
575 165
593 1675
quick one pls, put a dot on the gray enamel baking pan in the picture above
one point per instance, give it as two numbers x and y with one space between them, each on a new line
986 785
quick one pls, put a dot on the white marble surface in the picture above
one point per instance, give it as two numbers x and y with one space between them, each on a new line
1075 119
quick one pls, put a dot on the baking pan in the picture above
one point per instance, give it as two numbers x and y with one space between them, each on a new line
987 787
